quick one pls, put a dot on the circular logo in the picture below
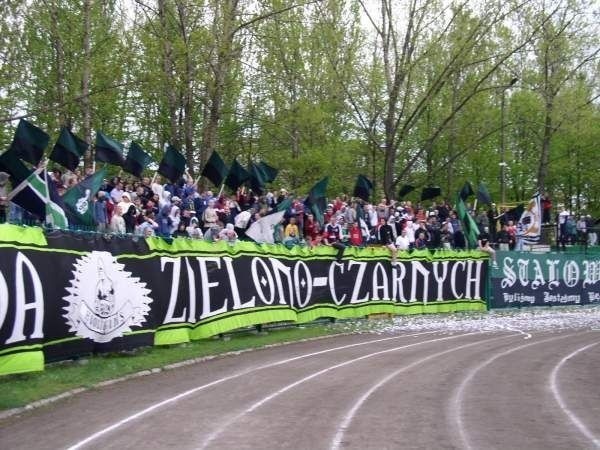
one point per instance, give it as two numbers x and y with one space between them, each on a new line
104 301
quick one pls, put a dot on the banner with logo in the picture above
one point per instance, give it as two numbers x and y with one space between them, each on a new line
549 279
67 294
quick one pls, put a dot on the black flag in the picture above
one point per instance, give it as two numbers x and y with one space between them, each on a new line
29 142
430 192
404 190
269 173
108 150
172 164
237 175
68 150
215 169
137 160
363 188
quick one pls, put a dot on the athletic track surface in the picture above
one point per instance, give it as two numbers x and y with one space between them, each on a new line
433 390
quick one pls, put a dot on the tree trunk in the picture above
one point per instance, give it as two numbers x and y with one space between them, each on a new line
167 63
59 55
85 81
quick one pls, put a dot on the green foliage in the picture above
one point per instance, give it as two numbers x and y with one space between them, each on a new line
312 89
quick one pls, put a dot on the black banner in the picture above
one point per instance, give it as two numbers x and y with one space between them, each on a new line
79 294
549 279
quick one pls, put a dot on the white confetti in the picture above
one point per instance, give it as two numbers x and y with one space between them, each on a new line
525 321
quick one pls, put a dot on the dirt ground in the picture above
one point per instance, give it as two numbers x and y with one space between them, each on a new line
426 390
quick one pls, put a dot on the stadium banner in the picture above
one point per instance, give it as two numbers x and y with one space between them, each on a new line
66 294
545 279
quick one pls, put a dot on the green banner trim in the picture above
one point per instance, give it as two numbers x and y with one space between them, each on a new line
25 361
246 248
22 234
21 348
184 332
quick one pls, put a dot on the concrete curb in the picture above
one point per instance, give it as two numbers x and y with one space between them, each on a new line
46 401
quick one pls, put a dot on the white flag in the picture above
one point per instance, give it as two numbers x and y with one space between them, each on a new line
262 230
529 227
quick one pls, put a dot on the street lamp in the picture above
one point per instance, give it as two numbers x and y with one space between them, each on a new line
502 148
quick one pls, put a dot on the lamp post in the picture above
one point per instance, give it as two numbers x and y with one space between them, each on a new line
502 147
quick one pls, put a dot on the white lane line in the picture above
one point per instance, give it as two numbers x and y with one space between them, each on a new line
192 391
347 420
211 437
456 403
556 392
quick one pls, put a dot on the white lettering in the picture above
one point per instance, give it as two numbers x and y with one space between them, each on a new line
380 283
21 304
440 278
332 268
206 285
259 283
169 318
235 291
307 278
362 266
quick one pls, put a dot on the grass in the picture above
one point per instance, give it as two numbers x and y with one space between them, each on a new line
22 389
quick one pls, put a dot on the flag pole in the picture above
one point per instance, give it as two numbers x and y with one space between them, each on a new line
221 190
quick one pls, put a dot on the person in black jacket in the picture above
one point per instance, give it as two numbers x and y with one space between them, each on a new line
385 236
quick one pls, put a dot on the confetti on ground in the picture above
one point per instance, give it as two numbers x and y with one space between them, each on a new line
522 320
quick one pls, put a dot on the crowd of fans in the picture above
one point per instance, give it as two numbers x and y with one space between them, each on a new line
148 207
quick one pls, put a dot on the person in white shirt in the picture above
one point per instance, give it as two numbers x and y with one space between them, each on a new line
117 223
402 241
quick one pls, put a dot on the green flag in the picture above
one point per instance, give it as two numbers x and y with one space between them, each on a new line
483 196
172 164
78 199
137 160
108 150
68 150
29 142
471 230
237 175
215 169
317 199
363 188
269 173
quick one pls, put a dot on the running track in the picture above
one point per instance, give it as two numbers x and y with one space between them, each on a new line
501 390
